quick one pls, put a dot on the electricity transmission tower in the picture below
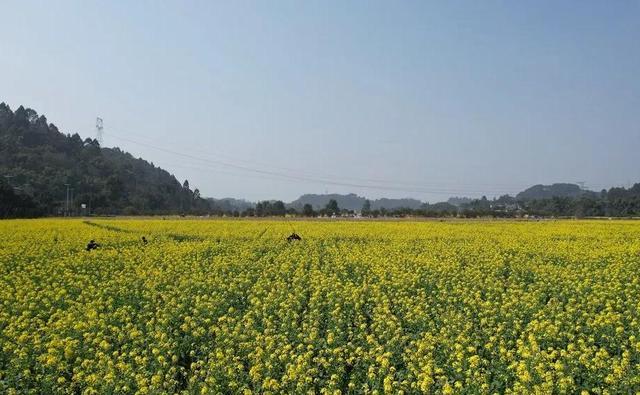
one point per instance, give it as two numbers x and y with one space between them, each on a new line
99 129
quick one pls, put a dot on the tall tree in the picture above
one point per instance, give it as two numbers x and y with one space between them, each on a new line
307 210
366 208
332 207
278 208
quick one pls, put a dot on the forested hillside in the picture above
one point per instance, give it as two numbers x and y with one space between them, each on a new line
38 163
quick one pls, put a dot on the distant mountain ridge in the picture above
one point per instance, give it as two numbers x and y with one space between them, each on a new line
354 202
554 190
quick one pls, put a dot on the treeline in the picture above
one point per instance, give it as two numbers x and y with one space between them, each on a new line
278 208
616 202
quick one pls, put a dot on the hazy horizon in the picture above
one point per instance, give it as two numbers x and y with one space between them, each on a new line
274 100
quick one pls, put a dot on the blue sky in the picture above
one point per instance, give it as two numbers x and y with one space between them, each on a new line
274 99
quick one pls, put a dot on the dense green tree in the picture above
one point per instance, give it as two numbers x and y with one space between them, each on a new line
307 210
278 209
270 208
332 207
366 208
15 204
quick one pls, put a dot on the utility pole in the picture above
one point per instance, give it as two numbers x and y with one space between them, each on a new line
71 203
66 202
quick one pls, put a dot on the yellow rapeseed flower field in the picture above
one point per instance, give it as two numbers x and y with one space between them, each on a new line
216 306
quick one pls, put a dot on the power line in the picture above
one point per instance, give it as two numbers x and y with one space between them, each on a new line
493 189
294 177
288 174
498 188
444 191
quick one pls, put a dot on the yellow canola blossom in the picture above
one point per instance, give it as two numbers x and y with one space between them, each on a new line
229 306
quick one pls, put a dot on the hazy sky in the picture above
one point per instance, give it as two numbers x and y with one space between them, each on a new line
421 99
